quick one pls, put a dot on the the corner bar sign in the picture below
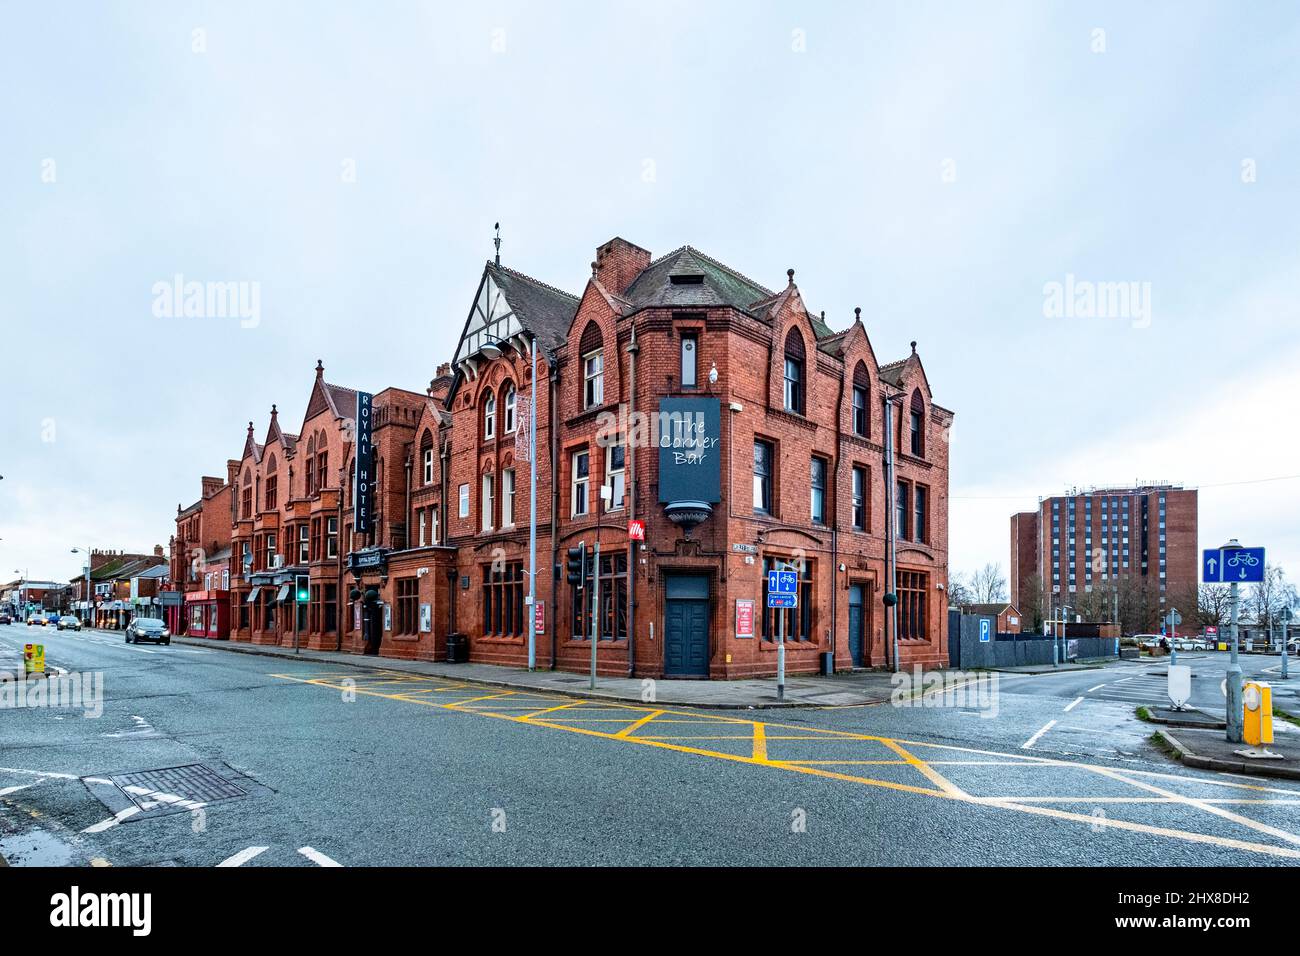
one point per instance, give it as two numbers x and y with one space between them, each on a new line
363 488
689 434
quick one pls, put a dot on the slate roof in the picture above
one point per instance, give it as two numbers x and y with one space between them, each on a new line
892 372
543 310
157 571
993 609
720 285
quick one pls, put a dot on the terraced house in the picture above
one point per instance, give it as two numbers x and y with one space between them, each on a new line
700 428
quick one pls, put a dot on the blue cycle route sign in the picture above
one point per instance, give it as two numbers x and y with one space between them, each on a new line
782 589
1224 565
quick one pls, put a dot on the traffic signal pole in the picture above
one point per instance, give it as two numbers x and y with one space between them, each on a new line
595 609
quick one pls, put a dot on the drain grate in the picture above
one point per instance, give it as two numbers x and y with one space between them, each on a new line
143 794
193 783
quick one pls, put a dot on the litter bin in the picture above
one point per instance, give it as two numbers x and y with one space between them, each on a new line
828 663
457 648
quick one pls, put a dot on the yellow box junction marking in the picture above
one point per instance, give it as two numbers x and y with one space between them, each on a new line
535 706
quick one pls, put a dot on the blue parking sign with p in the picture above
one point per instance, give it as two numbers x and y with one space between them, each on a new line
986 630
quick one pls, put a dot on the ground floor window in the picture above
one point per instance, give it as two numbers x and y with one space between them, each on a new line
331 608
503 599
790 624
912 591
408 599
613 601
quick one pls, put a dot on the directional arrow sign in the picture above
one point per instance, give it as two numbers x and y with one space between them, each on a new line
1243 565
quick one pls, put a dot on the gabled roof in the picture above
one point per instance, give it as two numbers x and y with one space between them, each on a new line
157 571
995 608
251 448
542 309
892 372
717 284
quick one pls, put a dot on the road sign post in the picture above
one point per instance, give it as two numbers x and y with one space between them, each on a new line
782 592
1285 616
1173 619
1234 564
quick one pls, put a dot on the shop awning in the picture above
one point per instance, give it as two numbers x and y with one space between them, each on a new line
283 595
252 595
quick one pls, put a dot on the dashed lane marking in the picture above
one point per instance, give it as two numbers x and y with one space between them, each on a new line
317 857
1073 704
1028 744
243 856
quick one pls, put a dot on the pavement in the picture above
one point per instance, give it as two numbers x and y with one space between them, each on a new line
189 755
1211 750
851 689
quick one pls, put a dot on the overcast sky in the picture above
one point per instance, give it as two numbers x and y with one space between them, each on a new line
938 165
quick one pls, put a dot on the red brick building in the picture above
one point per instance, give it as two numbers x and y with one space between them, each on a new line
1089 549
200 562
726 419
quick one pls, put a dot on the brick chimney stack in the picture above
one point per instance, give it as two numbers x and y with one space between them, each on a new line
618 263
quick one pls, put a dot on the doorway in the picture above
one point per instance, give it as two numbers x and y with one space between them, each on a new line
686 625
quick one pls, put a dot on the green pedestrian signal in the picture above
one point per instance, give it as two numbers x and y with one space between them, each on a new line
301 589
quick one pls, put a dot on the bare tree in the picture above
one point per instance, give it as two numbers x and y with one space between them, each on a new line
988 584
959 592
1264 601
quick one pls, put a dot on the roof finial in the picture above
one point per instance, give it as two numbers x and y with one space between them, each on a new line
857 313
496 241
250 429
273 411
914 346
594 268
789 274
320 368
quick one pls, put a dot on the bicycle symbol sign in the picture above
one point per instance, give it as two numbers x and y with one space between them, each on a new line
1243 565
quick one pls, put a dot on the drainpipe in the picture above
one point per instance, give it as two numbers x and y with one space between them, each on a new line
552 387
891 560
630 464
835 520
338 593
410 460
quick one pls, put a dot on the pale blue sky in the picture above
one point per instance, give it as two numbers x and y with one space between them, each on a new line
226 165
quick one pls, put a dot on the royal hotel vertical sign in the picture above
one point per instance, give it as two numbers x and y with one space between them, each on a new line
363 483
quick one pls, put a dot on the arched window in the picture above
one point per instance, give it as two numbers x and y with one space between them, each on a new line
509 402
794 373
426 457
861 400
272 485
591 348
489 416
311 472
916 420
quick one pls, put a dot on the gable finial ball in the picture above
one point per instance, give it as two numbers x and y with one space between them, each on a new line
914 346
857 312
790 275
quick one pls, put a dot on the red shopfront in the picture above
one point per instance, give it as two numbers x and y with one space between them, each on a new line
207 614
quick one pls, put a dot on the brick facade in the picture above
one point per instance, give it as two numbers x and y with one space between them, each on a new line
801 451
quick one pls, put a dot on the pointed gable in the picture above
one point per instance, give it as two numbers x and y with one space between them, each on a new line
687 277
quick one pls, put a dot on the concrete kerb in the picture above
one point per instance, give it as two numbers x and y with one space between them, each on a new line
433 669
1187 756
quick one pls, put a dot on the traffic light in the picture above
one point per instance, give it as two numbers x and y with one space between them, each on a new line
301 591
575 561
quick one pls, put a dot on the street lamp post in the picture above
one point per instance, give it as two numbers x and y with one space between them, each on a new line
1232 685
87 622
1285 617
1064 658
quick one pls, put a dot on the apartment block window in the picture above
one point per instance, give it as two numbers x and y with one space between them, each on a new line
859 499
913 594
508 498
490 416
581 480
331 537
616 475
503 600
488 500
689 354
763 461
593 379
794 379
789 624
510 401
818 483
304 543
900 510
406 616
463 501
920 527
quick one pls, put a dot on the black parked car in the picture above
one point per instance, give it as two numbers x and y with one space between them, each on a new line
148 629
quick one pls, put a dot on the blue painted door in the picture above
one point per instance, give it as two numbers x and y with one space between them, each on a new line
686 637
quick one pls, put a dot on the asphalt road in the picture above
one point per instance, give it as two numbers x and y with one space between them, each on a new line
312 765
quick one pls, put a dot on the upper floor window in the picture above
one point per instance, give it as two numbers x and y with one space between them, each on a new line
463 501
489 416
509 402
581 469
322 470
428 465
900 510
916 418
690 351
859 499
920 531
489 500
304 543
763 455
508 498
615 475
590 347
861 401
272 489
794 377
818 483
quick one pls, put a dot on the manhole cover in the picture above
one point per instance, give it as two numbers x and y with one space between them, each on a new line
567 680
138 794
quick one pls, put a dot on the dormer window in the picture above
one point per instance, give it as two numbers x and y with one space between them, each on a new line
794 378
593 379
694 278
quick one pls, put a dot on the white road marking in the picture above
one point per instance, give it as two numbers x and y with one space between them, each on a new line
112 821
243 856
8 790
1074 703
317 857
1091 689
1034 739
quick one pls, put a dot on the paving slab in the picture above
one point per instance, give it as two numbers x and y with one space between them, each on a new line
855 688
